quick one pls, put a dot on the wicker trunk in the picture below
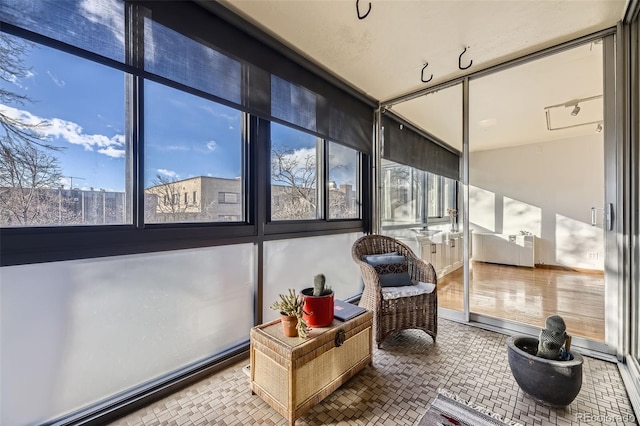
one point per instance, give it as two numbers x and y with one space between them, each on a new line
293 374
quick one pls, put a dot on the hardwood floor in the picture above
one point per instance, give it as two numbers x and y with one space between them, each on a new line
529 295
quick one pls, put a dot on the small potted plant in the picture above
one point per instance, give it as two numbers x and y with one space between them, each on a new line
318 303
452 218
291 311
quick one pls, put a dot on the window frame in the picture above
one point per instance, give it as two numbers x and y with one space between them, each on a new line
29 245
422 198
357 184
322 188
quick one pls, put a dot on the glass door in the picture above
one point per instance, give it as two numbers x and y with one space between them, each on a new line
537 193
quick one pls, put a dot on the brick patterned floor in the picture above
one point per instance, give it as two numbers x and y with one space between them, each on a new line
407 373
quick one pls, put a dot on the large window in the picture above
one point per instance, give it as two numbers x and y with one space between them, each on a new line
147 123
297 183
402 194
193 153
344 191
414 197
294 174
441 196
156 124
62 139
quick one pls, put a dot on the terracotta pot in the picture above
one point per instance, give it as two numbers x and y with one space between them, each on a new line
289 325
320 308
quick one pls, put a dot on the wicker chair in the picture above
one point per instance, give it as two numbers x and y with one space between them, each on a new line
390 316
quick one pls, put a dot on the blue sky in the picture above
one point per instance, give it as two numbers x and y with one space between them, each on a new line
84 104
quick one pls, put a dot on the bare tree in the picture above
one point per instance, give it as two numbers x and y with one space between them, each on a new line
341 203
28 176
164 203
12 68
297 176
168 208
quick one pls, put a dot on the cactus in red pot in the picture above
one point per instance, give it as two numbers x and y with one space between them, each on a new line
318 306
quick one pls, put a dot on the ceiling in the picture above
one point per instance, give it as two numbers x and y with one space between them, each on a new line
383 56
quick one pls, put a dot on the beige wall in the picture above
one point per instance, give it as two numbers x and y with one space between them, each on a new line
547 189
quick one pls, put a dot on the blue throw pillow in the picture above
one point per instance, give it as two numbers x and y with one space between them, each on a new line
392 269
378 259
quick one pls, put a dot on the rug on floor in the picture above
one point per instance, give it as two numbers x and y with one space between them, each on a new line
448 409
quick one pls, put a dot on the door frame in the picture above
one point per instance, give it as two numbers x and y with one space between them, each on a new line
613 194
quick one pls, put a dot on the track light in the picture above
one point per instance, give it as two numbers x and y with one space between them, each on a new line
599 128
576 110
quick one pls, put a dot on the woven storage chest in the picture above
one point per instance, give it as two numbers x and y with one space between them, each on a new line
293 374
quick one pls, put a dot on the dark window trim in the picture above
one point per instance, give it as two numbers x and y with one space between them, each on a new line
31 245
38 245
323 205
285 227
306 231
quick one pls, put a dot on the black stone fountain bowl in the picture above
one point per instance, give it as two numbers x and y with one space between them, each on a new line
549 382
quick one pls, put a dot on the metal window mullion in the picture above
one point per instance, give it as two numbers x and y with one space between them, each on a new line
425 198
322 179
635 185
441 197
134 93
248 216
376 160
466 251
360 182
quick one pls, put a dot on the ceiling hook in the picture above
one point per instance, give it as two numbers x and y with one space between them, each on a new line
358 10
422 75
460 60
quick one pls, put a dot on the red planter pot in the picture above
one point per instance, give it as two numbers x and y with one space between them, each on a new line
320 308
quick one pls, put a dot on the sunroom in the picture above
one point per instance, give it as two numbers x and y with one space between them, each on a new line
169 167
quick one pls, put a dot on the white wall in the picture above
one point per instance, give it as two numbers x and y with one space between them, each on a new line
547 189
76 332
294 262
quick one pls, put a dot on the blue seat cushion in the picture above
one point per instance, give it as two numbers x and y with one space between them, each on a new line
391 268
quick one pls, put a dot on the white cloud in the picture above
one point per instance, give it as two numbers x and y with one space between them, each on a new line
301 155
342 163
298 161
12 78
168 173
112 152
171 147
222 115
57 81
212 145
341 156
69 131
106 12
